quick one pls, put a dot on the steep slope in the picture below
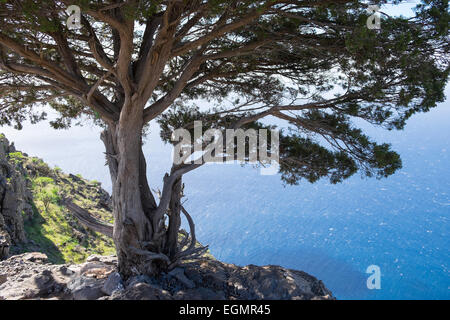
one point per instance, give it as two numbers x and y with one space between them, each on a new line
33 214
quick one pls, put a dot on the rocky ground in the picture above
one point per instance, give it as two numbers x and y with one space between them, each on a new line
29 276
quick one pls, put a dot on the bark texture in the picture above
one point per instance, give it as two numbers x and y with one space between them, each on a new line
144 243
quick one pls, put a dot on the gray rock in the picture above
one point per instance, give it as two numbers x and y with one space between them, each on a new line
199 294
93 258
85 288
16 198
137 279
142 291
26 277
37 257
88 293
112 284
109 260
3 278
178 273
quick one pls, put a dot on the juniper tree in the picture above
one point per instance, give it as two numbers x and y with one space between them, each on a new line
314 66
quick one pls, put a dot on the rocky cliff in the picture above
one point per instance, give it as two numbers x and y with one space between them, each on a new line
53 247
30 276
15 198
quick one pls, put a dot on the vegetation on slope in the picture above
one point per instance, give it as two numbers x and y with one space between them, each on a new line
51 228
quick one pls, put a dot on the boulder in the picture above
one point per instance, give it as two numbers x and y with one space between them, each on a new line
112 284
85 288
142 291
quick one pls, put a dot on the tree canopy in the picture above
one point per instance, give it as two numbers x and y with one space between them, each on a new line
314 64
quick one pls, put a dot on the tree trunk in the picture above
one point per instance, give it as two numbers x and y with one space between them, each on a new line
144 244
174 221
133 202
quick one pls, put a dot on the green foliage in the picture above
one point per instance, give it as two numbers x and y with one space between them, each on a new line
48 196
317 59
16 157
41 167
42 182
51 228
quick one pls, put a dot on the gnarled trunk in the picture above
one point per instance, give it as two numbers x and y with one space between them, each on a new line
144 244
133 202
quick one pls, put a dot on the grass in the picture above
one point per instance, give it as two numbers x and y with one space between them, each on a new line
52 229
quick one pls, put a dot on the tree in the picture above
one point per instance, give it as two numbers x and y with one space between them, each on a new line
315 65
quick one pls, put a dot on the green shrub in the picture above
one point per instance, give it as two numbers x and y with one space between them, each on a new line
48 196
96 183
16 157
42 182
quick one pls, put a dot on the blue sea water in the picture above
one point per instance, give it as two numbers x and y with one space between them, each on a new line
333 232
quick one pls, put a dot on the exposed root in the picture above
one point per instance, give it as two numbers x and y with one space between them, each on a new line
150 255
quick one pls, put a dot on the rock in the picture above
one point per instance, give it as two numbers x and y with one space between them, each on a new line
36 257
93 258
85 288
15 199
5 243
274 282
88 293
23 278
109 260
179 274
3 278
26 276
97 270
199 294
142 291
88 282
112 284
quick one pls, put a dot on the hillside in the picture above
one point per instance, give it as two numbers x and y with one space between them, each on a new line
33 216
